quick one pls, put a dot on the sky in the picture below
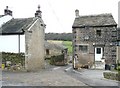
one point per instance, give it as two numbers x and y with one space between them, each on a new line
59 15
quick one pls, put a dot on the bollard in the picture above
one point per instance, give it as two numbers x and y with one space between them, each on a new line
3 66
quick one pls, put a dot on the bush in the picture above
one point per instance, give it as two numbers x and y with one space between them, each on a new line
118 68
111 75
57 60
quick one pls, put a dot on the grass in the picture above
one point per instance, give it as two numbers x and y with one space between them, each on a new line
68 44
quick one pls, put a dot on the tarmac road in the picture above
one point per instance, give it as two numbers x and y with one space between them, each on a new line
93 78
58 76
54 76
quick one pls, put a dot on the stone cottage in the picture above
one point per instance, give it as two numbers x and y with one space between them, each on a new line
53 49
94 40
25 35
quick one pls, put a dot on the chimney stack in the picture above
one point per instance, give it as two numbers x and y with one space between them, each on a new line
38 12
7 11
77 13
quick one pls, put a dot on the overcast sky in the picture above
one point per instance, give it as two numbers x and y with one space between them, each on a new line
59 15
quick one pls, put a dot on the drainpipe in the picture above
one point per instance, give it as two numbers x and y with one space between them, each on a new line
74 63
94 56
18 43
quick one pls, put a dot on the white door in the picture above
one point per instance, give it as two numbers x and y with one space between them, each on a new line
98 53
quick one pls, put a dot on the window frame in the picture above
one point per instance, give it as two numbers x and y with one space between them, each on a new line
99 33
83 48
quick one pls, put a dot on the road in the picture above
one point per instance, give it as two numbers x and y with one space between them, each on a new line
57 76
54 76
92 77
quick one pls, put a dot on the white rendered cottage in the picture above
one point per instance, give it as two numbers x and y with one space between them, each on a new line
25 35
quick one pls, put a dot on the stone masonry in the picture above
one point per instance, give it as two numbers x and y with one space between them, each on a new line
85 33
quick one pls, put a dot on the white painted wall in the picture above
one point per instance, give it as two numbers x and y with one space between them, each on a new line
5 19
9 43
22 43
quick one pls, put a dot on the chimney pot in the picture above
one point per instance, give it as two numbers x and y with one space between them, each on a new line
77 13
7 11
38 12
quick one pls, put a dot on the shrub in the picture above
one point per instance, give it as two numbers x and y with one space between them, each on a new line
112 75
57 60
118 68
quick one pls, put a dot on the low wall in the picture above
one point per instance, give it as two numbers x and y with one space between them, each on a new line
112 75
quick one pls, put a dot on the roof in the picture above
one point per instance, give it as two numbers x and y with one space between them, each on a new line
49 45
94 20
1 16
16 26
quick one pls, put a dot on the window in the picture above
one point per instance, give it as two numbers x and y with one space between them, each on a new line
83 48
75 40
98 32
47 52
113 50
114 33
98 51
114 43
74 31
118 43
113 55
75 49
74 36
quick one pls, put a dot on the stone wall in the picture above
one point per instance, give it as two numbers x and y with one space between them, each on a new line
88 36
112 75
54 52
34 39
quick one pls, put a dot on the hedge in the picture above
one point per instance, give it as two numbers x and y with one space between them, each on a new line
57 60
112 75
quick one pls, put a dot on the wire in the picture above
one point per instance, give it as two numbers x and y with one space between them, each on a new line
53 11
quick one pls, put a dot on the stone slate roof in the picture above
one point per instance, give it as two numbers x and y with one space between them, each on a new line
51 46
17 26
94 20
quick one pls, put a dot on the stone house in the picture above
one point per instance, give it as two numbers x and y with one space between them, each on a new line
94 40
24 35
53 49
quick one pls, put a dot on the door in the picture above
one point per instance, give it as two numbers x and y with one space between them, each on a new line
98 53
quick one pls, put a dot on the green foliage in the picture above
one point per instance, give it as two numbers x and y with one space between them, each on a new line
68 44
112 75
15 58
56 59
118 67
